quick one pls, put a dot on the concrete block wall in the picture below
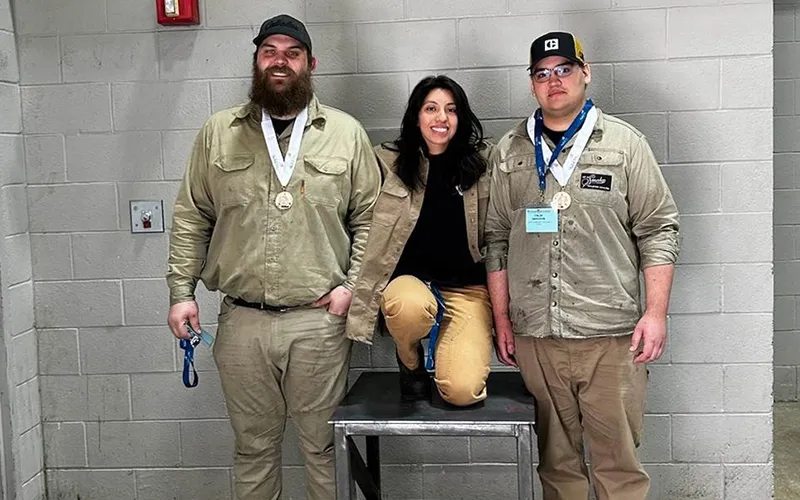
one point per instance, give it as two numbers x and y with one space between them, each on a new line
22 462
111 103
787 200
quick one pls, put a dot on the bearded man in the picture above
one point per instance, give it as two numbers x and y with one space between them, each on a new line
274 211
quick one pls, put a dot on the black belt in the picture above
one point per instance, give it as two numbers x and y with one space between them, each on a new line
261 306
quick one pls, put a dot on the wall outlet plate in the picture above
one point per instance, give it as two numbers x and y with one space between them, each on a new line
147 216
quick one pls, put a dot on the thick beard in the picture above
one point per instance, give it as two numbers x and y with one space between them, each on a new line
289 100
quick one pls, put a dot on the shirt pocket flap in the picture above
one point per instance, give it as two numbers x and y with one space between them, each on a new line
513 164
326 164
394 189
232 163
601 158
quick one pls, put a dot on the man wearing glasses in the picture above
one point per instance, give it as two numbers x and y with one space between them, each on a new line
578 207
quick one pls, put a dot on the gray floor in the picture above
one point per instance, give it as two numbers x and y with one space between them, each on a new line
787 451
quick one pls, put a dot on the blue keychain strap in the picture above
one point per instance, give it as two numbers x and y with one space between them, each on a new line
577 123
434 333
188 362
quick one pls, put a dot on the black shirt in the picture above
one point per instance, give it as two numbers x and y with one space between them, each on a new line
554 135
280 125
438 249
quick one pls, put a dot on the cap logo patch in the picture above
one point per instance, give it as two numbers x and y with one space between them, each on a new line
551 44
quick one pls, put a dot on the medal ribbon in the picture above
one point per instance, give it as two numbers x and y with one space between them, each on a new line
284 167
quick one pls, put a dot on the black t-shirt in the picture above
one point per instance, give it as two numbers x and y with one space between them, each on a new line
280 125
438 248
553 135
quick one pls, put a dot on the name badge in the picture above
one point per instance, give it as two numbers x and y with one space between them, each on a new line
541 220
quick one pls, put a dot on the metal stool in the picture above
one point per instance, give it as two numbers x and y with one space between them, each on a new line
373 408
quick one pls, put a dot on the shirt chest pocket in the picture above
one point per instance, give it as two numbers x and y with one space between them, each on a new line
392 204
600 179
233 181
324 179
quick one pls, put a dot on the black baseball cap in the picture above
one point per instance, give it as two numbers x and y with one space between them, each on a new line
557 43
284 24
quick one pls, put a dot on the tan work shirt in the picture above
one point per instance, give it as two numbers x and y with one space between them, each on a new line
583 280
228 232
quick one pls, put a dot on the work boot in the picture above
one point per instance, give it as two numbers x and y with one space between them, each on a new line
414 384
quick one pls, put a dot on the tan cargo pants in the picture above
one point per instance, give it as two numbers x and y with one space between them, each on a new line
270 363
591 387
464 348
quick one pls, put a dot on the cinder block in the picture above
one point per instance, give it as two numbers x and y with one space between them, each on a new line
786 202
35 488
785 313
741 196
134 156
797 99
16 259
39 60
207 443
717 135
6 23
147 350
721 338
204 484
130 16
726 238
58 352
78 303
722 438
81 107
786 55
160 106
783 23
294 483
487 90
400 482
109 58
493 450
91 484
59 17
14 213
696 289
477 40
9 69
787 277
147 303
24 360
335 47
360 357
30 459
19 317
177 148
244 13
12 160
601 89
695 188
747 288
26 407
163 396
787 348
674 388
785 384
654 127
44 159
406 46
689 34
320 11
421 9
673 481
50 256
166 191
657 439
738 91
133 444
374 100
380 135
748 482
424 450
748 388
783 91
64 398
226 94
99 255
784 242
631 27
64 445
786 130
10 116
383 351
199 54
523 103
652 86
469 481
291 453
109 397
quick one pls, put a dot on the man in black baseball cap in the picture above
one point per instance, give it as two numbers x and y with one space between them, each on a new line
284 24
557 43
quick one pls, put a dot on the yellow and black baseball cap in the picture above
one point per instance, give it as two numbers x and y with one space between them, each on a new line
557 43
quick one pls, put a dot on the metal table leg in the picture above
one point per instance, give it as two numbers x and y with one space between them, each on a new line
524 462
374 459
345 484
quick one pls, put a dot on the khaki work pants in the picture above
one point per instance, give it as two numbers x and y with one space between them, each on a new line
270 363
464 348
591 387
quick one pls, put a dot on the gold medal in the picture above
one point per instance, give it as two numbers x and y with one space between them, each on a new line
562 200
284 200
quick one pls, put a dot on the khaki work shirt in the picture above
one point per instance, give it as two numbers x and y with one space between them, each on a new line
396 213
583 280
228 232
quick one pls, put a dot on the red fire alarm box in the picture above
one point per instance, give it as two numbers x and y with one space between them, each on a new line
177 12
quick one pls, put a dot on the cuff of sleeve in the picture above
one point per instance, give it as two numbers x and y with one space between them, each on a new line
659 258
180 294
495 264
349 284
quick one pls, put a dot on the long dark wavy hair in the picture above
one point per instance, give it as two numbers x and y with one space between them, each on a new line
464 148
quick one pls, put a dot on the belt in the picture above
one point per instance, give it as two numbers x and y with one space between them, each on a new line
261 306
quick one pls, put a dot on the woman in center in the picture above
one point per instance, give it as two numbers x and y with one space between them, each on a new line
423 267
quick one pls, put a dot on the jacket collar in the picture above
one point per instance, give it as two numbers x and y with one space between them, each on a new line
316 113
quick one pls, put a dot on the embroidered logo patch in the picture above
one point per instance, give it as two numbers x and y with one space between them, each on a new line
600 182
551 44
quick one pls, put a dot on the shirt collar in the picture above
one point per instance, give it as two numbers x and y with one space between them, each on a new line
316 113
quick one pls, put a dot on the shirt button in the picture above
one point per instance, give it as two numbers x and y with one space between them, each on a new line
555 275
555 303
555 243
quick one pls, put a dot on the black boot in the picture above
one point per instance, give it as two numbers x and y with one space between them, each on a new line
414 384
